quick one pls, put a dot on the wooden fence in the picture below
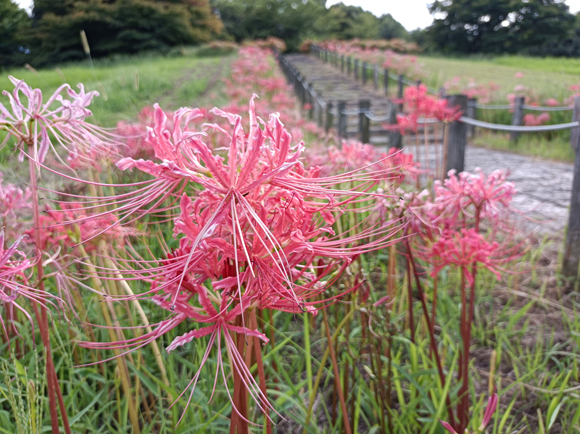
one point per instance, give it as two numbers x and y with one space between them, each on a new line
335 113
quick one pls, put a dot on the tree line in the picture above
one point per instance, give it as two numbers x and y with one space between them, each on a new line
50 34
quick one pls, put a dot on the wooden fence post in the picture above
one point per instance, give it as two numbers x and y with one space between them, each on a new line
517 117
457 136
348 65
376 77
364 72
341 119
386 80
572 247
356 69
309 100
320 112
329 120
471 113
342 63
400 91
364 124
395 137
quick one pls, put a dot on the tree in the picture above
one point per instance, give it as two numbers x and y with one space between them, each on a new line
118 26
290 20
497 26
13 21
389 28
348 22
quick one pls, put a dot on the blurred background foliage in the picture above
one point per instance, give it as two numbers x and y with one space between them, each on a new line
50 34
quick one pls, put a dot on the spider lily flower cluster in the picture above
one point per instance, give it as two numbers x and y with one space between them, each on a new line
259 235
15 273
419 105
59 120
448 228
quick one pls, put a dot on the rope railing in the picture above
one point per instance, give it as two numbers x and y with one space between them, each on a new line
518 128
456 138
524 106
547 109
365 66
465 119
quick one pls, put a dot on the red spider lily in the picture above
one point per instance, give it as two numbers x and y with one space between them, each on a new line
464 249
256 231
13 199
88 231
35 124
535 120
475 195
14 282
492 402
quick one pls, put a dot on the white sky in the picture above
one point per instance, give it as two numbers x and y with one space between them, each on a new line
410 13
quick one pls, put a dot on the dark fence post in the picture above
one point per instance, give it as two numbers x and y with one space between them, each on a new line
386 81
341 119
395 138
329 120
572 247
400 91
301 94
471 113
376 77
517 117
348 65
364 72
364 124
320 112
342 63
457 136
356 69
310 99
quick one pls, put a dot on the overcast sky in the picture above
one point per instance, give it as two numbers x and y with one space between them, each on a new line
410 13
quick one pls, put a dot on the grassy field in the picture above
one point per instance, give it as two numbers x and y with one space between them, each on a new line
550 77
525 337
545 77
126 85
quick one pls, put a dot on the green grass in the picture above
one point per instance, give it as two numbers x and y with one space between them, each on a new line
556 148
128 84
524 318
550 77
546 77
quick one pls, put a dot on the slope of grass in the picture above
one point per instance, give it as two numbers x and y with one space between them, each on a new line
128 84
550 78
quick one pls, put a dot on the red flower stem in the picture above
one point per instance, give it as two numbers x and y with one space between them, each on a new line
434 349
434 303
345 420
467 317
410 301
260 364
51 377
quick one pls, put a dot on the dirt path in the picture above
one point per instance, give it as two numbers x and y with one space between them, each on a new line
544 187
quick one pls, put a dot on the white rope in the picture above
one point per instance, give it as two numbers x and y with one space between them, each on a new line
519 128
376 118
547 109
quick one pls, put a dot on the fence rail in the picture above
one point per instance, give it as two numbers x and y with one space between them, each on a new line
456 132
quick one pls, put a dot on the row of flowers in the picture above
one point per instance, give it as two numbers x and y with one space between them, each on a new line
254 212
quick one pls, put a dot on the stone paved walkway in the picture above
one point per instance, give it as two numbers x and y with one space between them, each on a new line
544 187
